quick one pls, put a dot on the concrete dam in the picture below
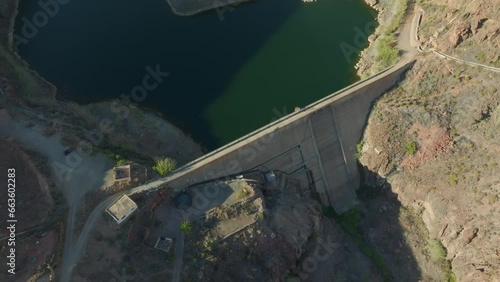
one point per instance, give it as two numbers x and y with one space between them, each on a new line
316 145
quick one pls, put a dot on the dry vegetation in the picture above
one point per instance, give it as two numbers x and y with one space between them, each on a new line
39 210
436 140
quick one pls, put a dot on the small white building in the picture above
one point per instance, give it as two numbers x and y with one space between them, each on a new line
122 208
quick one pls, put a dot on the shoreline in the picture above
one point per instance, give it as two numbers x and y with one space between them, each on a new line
47 87
360 72
46 97
21 59
365 61
211 5
368 63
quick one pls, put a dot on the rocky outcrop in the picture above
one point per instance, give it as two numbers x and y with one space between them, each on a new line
459 34
435 139
372 3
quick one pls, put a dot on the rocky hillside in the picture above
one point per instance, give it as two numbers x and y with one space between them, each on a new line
273 233
435 139
256 238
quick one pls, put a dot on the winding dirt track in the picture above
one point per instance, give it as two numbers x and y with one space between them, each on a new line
82 176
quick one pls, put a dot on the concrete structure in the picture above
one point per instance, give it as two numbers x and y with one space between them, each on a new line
122 208
279 141
122 173
320 140
163 244
252 148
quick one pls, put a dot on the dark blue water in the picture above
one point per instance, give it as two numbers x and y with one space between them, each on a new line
226 76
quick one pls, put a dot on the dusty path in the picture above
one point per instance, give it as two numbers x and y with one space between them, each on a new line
72 253
82 176
407 42
179 256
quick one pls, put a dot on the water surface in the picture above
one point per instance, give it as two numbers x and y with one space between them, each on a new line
229 75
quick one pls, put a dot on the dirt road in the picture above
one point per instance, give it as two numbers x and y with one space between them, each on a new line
78 177
75 174
407 39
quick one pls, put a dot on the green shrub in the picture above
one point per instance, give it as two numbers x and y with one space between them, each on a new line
387 54
496 63
411 147
453 178
359 148
121 162
436 250
481 57
438 254
186 227
208 244
164 166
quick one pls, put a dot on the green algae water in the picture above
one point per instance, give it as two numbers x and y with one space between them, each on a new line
231 70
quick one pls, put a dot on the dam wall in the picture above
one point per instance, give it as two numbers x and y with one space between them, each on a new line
316 145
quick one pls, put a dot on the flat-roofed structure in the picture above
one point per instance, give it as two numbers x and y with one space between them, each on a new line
122 208
163 244
122 173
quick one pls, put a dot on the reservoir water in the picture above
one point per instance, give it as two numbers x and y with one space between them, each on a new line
232 70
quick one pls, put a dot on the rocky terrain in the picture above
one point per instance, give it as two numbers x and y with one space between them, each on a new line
273 233
256 238
28 99
434 140
430 207
32 192
38 209
127 128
